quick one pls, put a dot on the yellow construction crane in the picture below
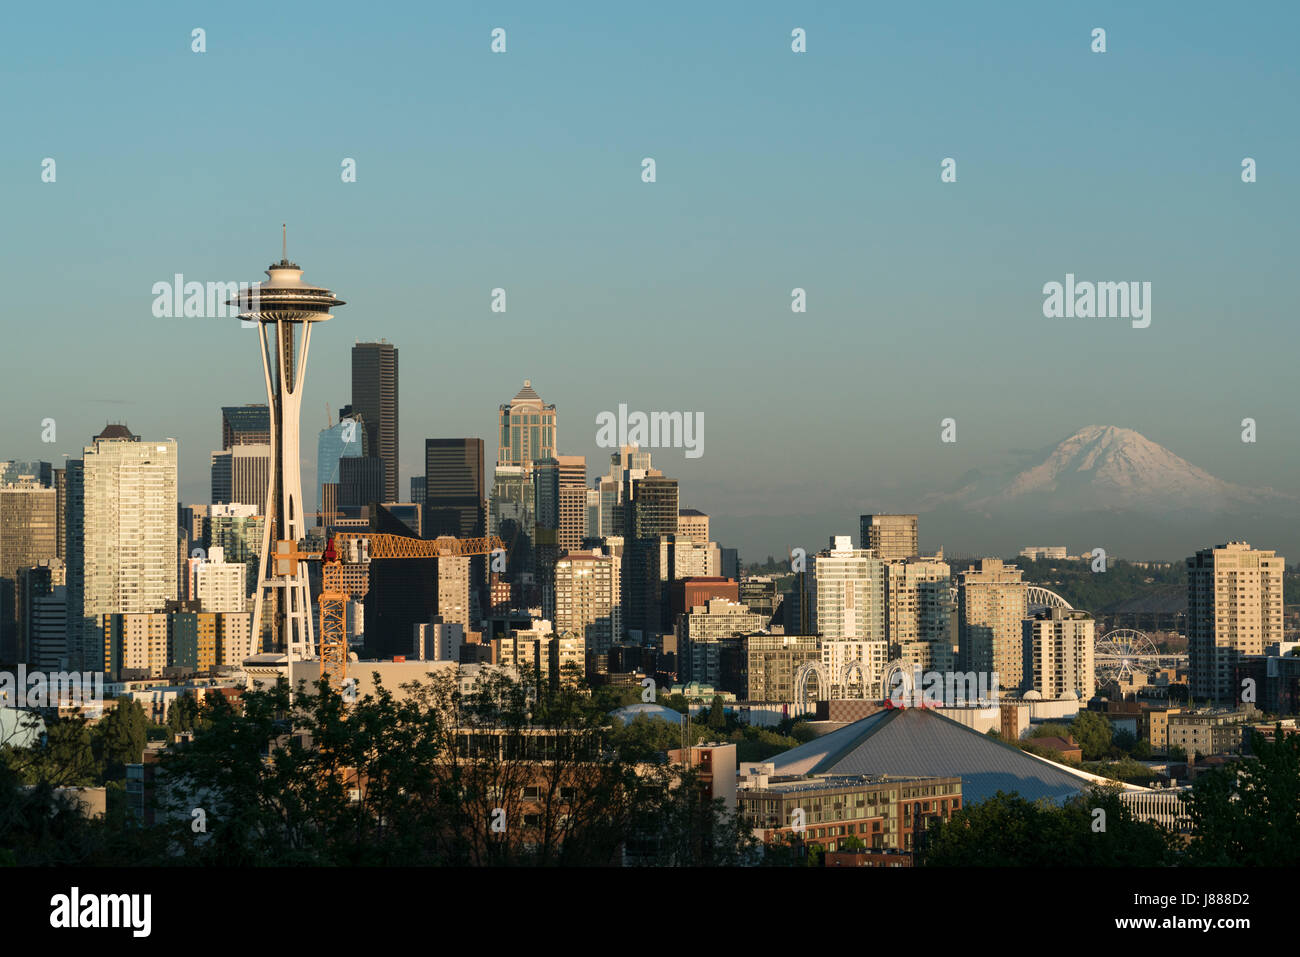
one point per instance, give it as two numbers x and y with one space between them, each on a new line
360 548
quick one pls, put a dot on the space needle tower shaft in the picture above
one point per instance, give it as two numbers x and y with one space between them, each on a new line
284 309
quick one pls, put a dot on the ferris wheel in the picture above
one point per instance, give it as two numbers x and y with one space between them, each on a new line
1119 653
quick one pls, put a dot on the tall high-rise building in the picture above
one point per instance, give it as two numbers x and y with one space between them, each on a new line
245 425
61 510
772 662
891 537
992 602
220 585
688 558
702 630
455 602
403 593
374 397
918 620
35 583
361 481
650 506
624 465
1234 608
586 593
453 488
417 489
122 536
692 524
1061 642
560 485
236 529
347 439
513 517
12 473
46 637
759 593
28 536
847 592
241 474
561 495
525 429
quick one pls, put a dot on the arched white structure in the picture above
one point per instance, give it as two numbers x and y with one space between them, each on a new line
852 666
1038 595
801 684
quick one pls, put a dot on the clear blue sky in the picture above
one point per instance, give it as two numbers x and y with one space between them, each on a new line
775 170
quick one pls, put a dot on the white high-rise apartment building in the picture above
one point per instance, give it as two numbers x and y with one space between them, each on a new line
220 585
122 527
848 592
1062 641
1234 608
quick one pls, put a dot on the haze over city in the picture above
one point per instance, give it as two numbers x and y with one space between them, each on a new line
820 172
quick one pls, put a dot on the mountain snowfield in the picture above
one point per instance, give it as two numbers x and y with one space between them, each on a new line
1109 468
1111 487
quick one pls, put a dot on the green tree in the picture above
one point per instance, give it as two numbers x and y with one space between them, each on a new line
183 714
66 757
802 732
121 736
1247 814
1050 730
1122 743
1092 732
1007 830
717 716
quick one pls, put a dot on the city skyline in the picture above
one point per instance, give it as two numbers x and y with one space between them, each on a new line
813 176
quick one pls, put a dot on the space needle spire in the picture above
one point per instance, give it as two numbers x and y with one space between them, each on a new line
285 308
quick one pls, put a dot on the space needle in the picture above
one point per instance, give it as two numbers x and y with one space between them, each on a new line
281 307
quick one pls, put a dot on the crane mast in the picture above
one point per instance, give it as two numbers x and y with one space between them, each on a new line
361 548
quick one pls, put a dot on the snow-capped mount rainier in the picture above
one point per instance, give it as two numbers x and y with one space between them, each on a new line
1109 468
1114 487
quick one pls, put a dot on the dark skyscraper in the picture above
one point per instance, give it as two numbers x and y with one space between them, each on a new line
374 397
453 488
651 510
361 481
245 425
403 593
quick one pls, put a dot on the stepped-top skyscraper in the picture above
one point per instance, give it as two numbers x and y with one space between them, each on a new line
526 429
285 308
374 398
